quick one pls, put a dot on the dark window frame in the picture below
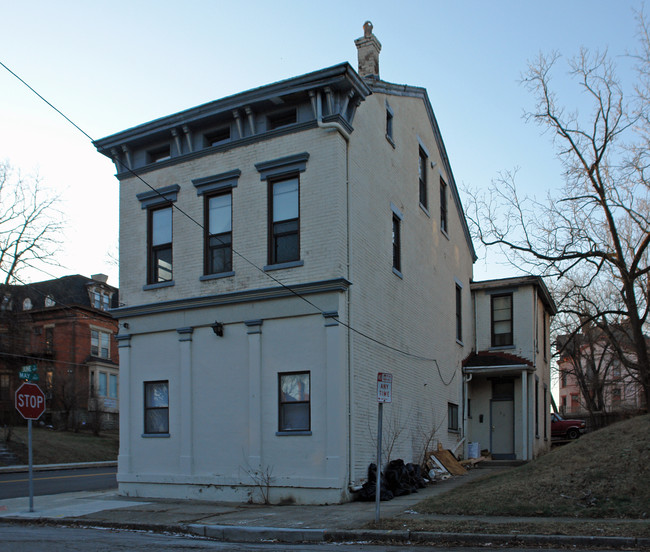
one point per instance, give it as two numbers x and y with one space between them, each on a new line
537 407
452 417
389 125
155 252
216 242
397 243
98 350
444 207
423 161
282 404
147 429
282 230
459 313
502 339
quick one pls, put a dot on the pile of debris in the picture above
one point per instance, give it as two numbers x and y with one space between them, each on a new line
398 479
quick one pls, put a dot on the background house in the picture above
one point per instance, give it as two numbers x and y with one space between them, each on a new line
64 328
593 382
507 377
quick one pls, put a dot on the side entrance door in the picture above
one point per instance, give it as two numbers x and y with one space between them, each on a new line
502 429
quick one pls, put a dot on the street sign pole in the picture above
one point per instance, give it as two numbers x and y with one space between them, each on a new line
384 394
31 458
378 479
30 403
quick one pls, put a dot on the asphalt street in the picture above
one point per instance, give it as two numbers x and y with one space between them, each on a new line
31 538
14 485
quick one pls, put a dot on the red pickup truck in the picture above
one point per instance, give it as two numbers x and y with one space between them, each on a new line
568 429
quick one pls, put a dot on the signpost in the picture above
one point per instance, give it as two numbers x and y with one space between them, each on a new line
384 395
30 403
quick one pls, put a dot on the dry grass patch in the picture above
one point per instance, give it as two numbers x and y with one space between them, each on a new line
587 528
60 447
604 474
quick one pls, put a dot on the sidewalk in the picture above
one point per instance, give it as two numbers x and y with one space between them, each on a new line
254 523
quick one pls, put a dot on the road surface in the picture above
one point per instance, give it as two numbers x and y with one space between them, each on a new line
16 484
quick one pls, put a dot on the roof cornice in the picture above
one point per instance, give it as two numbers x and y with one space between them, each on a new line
337 76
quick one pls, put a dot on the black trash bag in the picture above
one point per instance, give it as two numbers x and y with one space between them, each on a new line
415 475
367 492
397 478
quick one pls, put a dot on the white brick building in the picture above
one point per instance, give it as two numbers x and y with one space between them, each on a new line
278 249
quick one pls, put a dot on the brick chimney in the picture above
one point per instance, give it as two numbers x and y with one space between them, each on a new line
368 48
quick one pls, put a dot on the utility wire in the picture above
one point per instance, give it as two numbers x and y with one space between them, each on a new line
276 280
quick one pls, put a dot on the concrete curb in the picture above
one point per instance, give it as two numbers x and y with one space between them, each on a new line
52 467
231 533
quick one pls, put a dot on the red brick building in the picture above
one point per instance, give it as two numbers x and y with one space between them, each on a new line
65 329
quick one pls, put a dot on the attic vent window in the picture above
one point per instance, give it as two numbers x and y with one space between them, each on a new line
216 137
282 119
159 154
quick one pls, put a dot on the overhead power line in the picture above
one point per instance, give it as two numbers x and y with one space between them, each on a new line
240 255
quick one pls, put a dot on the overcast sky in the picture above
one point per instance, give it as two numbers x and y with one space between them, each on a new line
113 65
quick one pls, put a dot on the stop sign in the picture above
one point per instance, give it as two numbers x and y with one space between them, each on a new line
30 401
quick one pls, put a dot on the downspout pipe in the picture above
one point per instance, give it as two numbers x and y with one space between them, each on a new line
317 106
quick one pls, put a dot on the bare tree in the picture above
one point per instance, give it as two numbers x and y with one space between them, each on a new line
587 357
592 240
30 223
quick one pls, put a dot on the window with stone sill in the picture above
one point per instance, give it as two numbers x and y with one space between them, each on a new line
218 235
100 344
156 407
422 178
294 402
160 245
284 231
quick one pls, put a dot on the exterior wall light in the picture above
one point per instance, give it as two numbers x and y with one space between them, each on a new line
217 328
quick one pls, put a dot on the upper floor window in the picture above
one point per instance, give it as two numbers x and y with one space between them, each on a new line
49 339
283 118
443 206
459 313
284 231
218 136
100 344
160 245
389 124
502 320
159 154
218 245
27 304
422 178
397 246
101 300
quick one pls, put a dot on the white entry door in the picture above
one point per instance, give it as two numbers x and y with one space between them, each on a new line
502 429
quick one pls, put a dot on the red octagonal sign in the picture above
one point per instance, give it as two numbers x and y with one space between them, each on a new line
30 401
